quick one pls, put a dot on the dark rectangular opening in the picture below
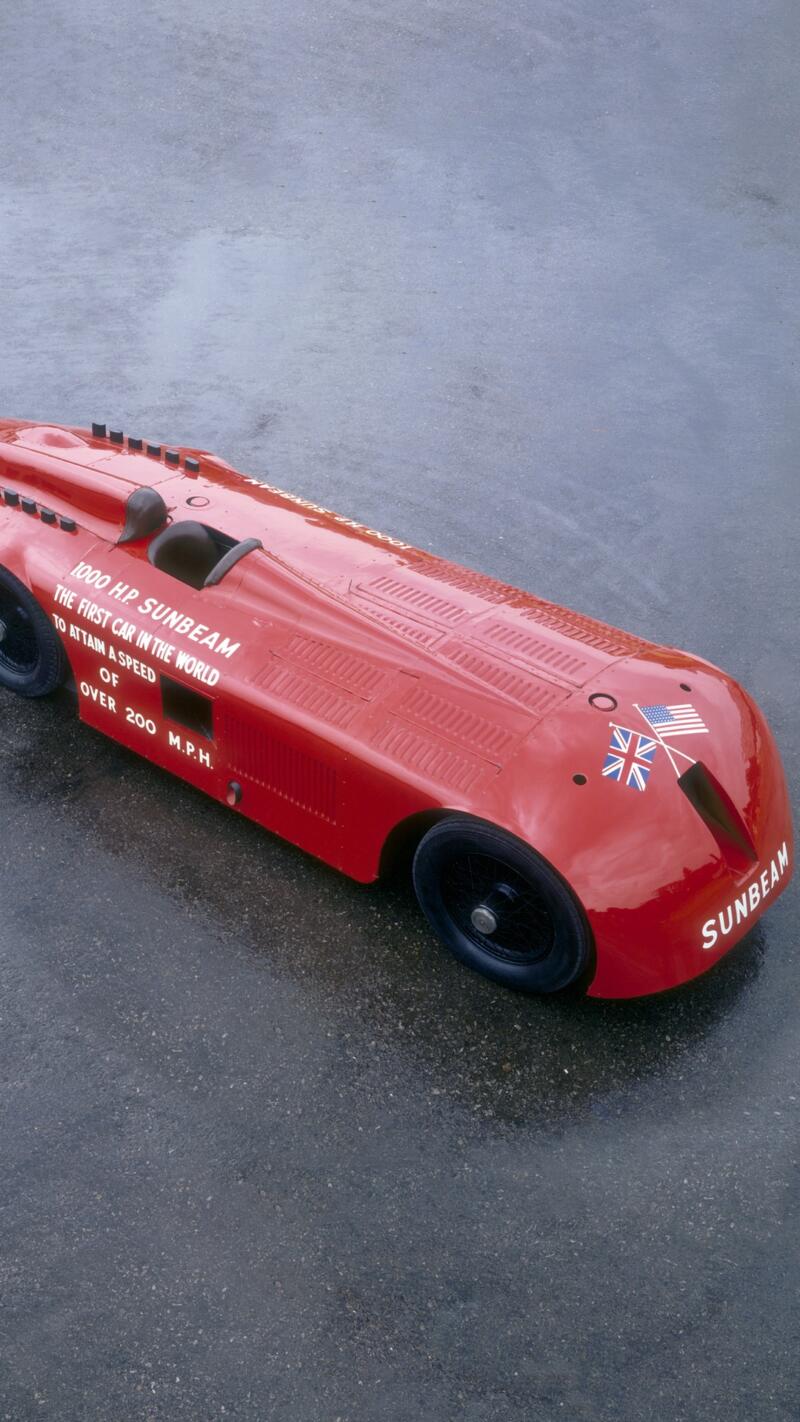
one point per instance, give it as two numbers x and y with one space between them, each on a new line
715 806
187 707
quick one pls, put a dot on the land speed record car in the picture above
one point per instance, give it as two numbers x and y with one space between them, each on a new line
583 807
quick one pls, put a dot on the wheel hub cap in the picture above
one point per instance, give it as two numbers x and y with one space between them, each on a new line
483 919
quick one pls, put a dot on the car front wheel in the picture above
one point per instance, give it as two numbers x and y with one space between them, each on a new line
32 660
500 907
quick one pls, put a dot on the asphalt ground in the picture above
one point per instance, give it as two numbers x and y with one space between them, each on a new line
518 283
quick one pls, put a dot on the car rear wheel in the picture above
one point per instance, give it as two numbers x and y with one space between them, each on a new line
500 907
32 660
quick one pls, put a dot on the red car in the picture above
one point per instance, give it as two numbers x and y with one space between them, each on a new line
584 807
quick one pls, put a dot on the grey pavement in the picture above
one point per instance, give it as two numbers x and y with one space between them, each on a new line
519 283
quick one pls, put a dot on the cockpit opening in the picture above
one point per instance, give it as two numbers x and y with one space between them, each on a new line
196 554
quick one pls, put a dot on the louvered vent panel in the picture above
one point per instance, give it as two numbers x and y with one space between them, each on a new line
541 656
427 757
453 722
413 597
258 757
338 665
412 631
537 696
316 697
581 629
478 584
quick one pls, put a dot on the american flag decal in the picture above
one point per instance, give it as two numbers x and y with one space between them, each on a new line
630 757
669 721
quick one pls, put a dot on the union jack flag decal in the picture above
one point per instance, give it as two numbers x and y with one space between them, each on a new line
630 757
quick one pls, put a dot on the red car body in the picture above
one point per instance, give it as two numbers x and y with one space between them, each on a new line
340 687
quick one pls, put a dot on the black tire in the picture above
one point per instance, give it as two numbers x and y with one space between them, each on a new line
469 876
32 660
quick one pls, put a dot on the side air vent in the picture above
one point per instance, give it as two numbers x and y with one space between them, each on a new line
285 770
715 807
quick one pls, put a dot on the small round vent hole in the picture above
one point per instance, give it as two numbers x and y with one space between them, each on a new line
601 701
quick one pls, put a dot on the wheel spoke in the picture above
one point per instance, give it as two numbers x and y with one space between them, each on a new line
481 891
19 651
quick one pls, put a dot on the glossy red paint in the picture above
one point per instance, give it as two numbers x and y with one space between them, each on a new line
351 683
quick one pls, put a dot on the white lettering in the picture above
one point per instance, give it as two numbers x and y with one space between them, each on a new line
168 617
95 644
176 621
123 592
85 573
203 757
710 934
163 650
142 723
93 693
753 895
138 668
318 508
92 613
122 629
742 909
194 667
